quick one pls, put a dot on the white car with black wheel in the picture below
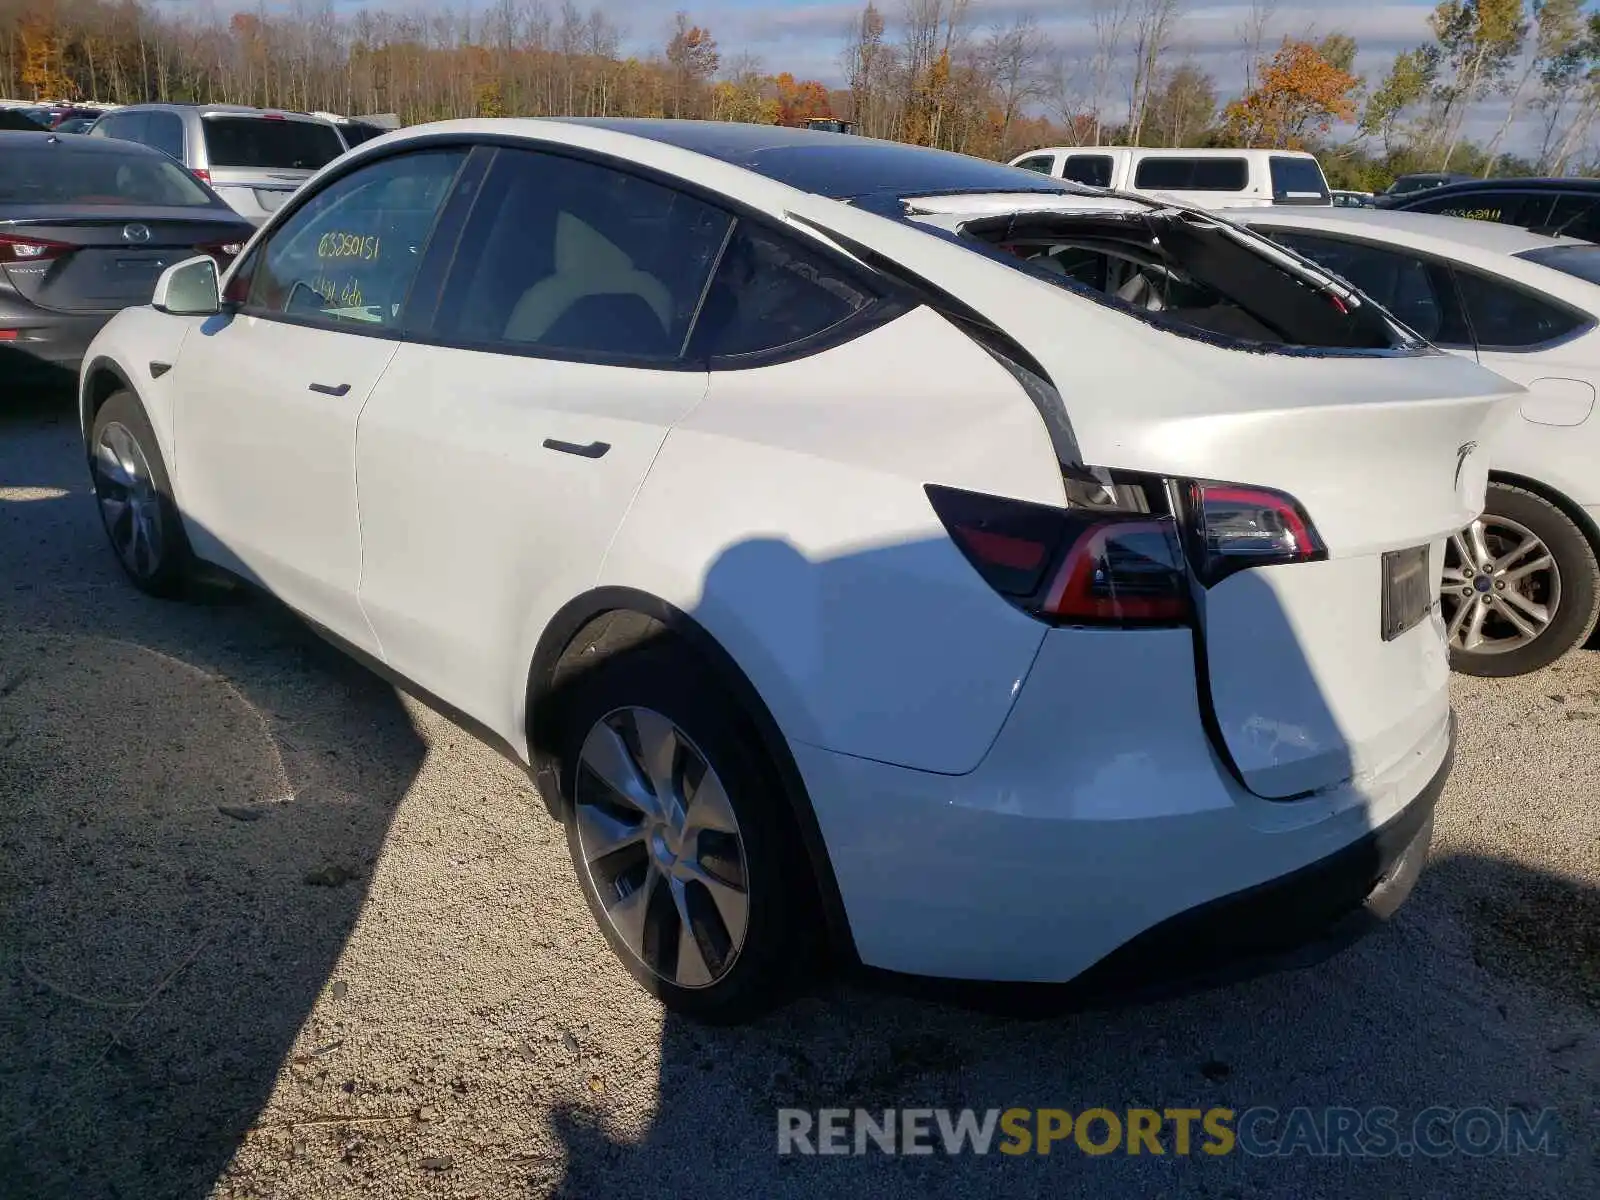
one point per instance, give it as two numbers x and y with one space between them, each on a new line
855 555
1521 585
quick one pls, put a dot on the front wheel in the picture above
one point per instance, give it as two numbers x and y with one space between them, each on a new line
134 496
1521 586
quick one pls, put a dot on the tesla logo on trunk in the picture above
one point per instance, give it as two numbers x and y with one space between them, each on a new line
136 233
1463 452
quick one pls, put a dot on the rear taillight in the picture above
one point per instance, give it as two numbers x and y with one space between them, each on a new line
1127 548
223 252
15 249
200 173
1087 564
1232 527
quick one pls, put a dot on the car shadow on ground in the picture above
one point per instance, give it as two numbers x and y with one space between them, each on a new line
1407 1019
192 798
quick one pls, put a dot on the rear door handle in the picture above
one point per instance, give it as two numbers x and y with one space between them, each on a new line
329 389
592 450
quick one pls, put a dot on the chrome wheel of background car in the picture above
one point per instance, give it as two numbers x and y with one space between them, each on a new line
1501 587
662 847
130 505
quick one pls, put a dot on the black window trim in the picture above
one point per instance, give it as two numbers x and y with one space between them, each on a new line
1452 271
389 333
415 327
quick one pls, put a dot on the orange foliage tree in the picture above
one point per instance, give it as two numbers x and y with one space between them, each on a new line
798 101
1299 93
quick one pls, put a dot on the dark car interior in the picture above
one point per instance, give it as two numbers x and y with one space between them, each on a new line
1187 275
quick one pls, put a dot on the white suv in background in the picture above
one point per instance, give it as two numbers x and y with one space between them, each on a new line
253 158
1203 178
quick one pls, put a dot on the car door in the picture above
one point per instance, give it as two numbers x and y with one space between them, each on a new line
509 435
267 395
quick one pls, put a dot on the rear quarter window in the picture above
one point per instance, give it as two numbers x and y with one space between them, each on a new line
770 292
1171 174
271 144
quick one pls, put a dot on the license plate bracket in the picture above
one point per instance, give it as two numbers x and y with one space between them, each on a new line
1408 590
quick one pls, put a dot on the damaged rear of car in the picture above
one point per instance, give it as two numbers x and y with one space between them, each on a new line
1259 471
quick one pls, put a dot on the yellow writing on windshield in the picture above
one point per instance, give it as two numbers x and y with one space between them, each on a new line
337 244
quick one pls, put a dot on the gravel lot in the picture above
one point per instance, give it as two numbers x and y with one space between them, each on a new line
269 929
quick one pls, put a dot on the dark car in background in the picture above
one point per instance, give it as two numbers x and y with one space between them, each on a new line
17 119
86 227
53 116
1406 186
1555 207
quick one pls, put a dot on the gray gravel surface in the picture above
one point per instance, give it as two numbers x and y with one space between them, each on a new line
268 928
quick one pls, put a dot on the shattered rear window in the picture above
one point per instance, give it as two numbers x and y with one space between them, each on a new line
1180 271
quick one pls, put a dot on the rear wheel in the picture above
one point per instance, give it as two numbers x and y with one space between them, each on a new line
1521 586
134 496
678 836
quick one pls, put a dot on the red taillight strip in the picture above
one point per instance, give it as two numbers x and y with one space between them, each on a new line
1001 549
1072 596
1276 501
10 245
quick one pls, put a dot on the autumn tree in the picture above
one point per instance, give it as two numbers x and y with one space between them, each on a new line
692 55
800 100
41 60
1299 94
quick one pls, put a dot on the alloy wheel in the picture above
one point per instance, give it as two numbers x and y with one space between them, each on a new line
130 505
1501 587
662 847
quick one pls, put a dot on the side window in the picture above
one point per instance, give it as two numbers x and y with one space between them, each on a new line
1509 318
771 291
164 131
1417 292
1092 169
1042 163
579 259
1165 173
348 255
1508 208
1576 215
127 127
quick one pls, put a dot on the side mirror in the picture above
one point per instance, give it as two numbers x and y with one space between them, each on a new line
188 289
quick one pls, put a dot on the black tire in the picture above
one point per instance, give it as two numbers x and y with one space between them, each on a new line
1579 574
782 931
161 568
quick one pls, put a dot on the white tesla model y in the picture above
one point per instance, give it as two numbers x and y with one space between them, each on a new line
865 547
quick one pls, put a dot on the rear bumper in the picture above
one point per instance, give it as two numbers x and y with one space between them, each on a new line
45 340
1102 843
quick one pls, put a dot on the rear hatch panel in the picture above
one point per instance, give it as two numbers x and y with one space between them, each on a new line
1379 444
112 265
